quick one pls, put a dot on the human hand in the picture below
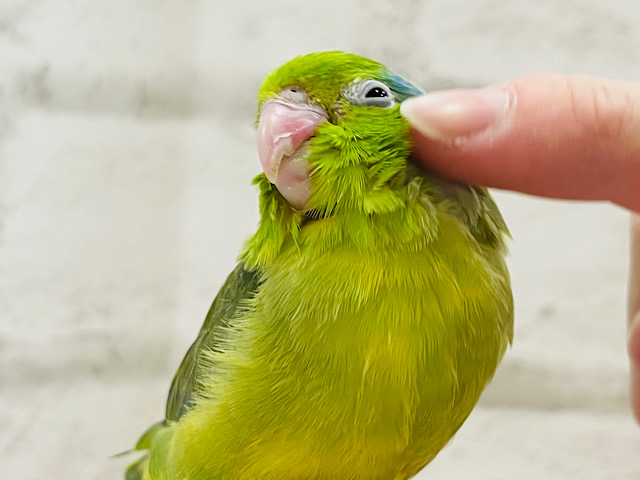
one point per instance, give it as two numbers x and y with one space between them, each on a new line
572 137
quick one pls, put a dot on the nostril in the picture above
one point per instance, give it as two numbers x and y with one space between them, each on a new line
294 94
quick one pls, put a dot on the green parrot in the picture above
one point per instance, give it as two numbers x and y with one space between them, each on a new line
366 314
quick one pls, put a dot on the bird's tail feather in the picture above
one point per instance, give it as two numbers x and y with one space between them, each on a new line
138 469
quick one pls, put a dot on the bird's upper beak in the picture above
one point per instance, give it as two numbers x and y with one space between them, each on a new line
283 127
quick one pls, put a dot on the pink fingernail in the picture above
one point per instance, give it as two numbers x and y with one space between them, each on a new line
453 114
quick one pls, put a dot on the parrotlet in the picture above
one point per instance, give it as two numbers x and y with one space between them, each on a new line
366 314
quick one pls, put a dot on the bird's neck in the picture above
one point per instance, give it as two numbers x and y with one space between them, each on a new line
395 218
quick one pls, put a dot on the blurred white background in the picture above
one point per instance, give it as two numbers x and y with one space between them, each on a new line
126 154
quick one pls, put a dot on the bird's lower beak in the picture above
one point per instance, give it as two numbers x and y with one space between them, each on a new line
282 129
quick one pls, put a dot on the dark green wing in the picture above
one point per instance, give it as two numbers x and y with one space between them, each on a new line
240 286
471 204
475 206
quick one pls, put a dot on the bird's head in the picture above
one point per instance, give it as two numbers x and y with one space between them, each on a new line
330 134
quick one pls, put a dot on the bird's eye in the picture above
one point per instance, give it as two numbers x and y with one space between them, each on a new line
371 93
376 92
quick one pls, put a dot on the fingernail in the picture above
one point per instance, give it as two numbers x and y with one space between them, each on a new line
455 114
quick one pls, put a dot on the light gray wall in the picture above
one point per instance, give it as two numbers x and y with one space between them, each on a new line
126 153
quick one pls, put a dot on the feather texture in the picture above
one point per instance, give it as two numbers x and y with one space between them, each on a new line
355 337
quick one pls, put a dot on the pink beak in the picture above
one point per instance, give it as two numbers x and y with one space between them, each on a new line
282 129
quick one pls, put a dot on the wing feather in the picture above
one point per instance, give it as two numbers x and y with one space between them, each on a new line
240 286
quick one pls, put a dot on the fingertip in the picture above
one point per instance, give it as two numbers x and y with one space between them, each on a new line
558 136
411 109
452 115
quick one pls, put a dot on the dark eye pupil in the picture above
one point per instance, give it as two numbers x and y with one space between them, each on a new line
376 92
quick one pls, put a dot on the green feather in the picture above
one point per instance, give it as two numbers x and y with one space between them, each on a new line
354 338
237 291
239 288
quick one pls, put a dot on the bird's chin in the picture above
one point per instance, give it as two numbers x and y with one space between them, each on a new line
293 178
